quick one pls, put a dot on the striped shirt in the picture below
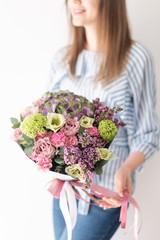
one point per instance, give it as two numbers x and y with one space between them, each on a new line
134 90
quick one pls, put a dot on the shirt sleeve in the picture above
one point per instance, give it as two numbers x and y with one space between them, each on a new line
144 132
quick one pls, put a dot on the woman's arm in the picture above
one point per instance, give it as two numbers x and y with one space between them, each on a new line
122 178
143 129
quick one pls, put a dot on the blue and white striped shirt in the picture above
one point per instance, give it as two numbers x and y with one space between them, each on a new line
134 90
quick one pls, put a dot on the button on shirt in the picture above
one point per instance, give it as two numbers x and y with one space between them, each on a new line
134 91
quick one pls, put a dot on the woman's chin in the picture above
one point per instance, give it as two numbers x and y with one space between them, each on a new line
77 24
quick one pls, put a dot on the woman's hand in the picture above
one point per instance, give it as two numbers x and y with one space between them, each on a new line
122 180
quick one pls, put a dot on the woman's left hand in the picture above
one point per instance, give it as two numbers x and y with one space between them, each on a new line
122 180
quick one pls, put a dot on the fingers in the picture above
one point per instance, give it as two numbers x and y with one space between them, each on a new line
110 203
122 180
113 201
106 206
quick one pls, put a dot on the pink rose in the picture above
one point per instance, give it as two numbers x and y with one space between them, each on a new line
44 163
71 126
71 141
43 148
29 111
93 131
58 139
17 135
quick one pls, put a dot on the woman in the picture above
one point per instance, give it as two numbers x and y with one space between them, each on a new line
103 61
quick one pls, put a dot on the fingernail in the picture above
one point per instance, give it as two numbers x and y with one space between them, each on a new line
121 194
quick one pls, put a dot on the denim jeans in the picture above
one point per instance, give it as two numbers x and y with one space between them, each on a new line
99 224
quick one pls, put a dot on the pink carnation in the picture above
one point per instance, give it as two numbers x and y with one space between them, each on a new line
17 135
44 163
93 131
43 148
37 102
29 111
71 126
71 141
46 134
58 139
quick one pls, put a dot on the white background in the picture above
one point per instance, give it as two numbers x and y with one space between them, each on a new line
31 31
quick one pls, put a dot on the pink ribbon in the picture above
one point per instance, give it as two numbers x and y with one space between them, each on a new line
56 186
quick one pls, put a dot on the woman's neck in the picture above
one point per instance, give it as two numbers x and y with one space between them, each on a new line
91 39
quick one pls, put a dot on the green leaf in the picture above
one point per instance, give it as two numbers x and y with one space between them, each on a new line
59 169
16 125
48 104
28 150
27 139
92 107
119 109
81 130
61 150
21 117
74 189
59 111
98 170
56 152
102 115
71 104
60 99
79 110
99 165
59 160
14 120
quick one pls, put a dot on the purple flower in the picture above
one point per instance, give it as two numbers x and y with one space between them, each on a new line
90 156
92 141
72 154
87 140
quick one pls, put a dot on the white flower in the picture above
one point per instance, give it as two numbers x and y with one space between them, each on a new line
104 153
86 122
55 121
74 171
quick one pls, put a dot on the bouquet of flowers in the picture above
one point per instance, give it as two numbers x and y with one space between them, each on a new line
65 133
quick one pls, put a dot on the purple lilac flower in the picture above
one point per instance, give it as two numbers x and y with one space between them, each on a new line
72 155
87 162
92 141
104 112
87 177
87 140
90 156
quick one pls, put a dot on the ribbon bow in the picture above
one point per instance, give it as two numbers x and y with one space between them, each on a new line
68 205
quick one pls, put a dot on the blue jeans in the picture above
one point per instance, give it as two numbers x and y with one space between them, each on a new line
99 224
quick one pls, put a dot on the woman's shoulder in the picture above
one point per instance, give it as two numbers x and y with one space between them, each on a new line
140 64
139 54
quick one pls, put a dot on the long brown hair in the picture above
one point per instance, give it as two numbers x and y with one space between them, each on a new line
114 40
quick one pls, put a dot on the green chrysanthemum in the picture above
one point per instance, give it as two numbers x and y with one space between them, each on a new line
107 129
32 124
